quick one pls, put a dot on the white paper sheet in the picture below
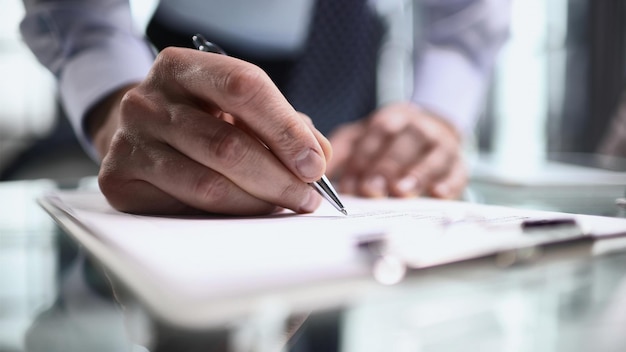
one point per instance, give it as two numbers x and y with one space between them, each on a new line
211 257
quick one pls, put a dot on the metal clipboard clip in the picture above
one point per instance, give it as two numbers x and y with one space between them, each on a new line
392 255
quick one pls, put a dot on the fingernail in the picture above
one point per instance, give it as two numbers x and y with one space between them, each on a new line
376 186
310 202
409 185
309 164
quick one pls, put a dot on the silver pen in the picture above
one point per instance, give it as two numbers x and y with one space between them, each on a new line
323 185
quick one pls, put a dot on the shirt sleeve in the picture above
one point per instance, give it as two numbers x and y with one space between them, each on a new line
92 49
456 55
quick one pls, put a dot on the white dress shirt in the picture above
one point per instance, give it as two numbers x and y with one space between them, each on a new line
93 47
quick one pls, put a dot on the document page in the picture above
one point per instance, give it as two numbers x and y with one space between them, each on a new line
227 250
211 256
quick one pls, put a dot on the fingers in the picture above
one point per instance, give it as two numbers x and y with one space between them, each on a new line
245 91
403 166
162 180
404 152
383 128
437 169
238 156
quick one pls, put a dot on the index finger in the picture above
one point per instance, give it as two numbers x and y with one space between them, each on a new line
244 90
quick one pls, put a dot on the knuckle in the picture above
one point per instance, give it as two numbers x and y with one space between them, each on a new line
170 62
169 58
134 105
228 149
123 147
244 83
113 172
293 191
210 188
131 100
120 164
107 181
111 181
290 135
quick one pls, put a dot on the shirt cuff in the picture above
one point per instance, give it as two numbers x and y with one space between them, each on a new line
448 84
93 74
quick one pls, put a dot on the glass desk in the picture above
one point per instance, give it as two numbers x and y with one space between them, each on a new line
572 298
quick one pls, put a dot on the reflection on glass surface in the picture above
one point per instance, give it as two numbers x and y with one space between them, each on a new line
567 182
600 161
27 260
573 306
52 298
85 317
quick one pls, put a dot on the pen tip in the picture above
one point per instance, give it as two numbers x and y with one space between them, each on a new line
345 212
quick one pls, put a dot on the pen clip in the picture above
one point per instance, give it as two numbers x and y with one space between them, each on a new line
204 45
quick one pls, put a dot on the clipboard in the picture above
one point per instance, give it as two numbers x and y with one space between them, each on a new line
199 272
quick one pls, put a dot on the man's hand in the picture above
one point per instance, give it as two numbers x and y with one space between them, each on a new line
206 132
401 151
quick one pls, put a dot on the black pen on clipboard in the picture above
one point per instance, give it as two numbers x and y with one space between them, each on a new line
323 185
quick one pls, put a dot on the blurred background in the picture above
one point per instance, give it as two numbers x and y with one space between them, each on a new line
559 80
556 88
36 141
